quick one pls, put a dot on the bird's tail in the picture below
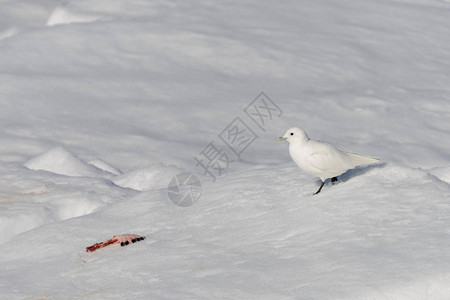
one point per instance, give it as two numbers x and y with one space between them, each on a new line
359 159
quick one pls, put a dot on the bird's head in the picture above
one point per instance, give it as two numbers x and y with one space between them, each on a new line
294 135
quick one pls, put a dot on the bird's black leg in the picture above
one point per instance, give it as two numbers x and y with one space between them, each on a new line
321 186
334 180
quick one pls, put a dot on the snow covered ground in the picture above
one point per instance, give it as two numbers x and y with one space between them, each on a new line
102 102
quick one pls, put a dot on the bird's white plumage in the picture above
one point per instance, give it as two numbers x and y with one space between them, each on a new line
320 158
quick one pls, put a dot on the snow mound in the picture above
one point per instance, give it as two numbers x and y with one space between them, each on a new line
156 176
103 165
10 32
60 161
32 199
443 173
19 218
61 15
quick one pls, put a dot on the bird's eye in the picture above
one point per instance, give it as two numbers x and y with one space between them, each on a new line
292 133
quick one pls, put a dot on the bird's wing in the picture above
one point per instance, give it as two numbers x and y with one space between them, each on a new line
327 159
359 159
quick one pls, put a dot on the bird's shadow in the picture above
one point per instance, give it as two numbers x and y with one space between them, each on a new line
356 172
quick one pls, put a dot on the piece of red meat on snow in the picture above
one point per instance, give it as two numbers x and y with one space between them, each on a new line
123 240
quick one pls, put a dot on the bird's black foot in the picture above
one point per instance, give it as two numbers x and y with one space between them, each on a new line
334 180
321 186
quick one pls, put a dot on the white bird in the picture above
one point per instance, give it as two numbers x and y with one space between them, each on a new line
320 158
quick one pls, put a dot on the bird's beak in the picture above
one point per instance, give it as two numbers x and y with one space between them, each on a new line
281 138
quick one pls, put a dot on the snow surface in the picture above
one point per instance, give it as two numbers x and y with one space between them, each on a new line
102 101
